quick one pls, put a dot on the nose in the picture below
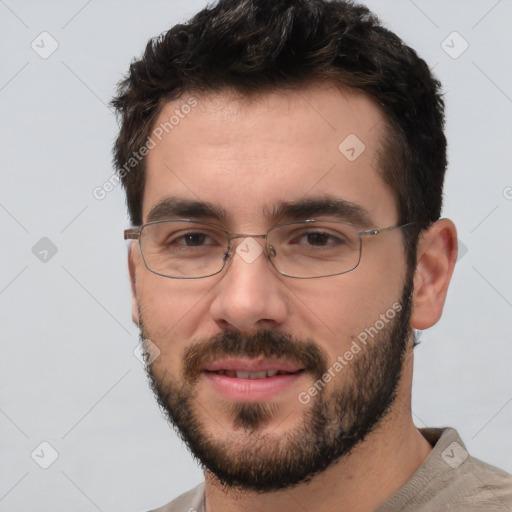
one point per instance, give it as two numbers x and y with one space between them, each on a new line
251 295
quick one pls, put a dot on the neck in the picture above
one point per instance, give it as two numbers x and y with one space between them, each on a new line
360 482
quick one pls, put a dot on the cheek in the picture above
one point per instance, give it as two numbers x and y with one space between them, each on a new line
334 312
171 311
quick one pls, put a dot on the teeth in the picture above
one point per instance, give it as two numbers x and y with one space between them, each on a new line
249 375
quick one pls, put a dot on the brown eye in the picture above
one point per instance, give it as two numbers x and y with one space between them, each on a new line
193 239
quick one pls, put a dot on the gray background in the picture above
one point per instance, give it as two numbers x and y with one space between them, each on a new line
68 373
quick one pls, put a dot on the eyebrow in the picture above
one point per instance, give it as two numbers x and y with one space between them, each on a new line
331 206
173 207
285 211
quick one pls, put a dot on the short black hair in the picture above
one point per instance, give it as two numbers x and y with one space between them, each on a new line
256 46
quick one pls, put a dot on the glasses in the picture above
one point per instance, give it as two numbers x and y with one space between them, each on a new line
186 249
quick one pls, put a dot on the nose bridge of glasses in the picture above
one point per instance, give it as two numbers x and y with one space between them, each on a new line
268 250
245 235
233 236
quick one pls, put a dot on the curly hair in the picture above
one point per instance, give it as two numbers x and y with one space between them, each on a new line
256 46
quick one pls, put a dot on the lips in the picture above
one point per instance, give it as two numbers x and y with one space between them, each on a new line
251 368
251 380
263 374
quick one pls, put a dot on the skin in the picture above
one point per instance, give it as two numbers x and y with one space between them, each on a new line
246 154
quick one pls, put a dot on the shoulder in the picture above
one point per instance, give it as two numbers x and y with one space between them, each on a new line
191 501
476 484
451 480
465 479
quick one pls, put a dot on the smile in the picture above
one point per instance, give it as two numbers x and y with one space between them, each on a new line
238 374
251 380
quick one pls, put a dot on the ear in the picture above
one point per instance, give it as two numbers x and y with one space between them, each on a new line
436 257
131 269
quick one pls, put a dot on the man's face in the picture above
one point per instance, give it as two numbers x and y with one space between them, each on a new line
247 159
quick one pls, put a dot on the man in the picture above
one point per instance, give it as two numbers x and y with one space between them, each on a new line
283 163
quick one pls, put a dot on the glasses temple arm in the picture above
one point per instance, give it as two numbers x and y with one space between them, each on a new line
372 232
132 234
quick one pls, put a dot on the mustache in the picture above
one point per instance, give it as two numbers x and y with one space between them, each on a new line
266 343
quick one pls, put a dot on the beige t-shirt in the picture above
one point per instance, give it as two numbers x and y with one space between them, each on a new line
449 480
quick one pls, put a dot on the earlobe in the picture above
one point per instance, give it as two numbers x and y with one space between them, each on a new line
131 269
436 257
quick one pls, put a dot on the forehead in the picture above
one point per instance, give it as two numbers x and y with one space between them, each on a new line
249 154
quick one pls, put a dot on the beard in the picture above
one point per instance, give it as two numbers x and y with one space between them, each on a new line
333 423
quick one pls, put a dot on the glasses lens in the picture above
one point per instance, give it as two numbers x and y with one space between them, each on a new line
314 249
183 249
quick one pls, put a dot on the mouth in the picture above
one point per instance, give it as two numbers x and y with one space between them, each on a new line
263 374
251 380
